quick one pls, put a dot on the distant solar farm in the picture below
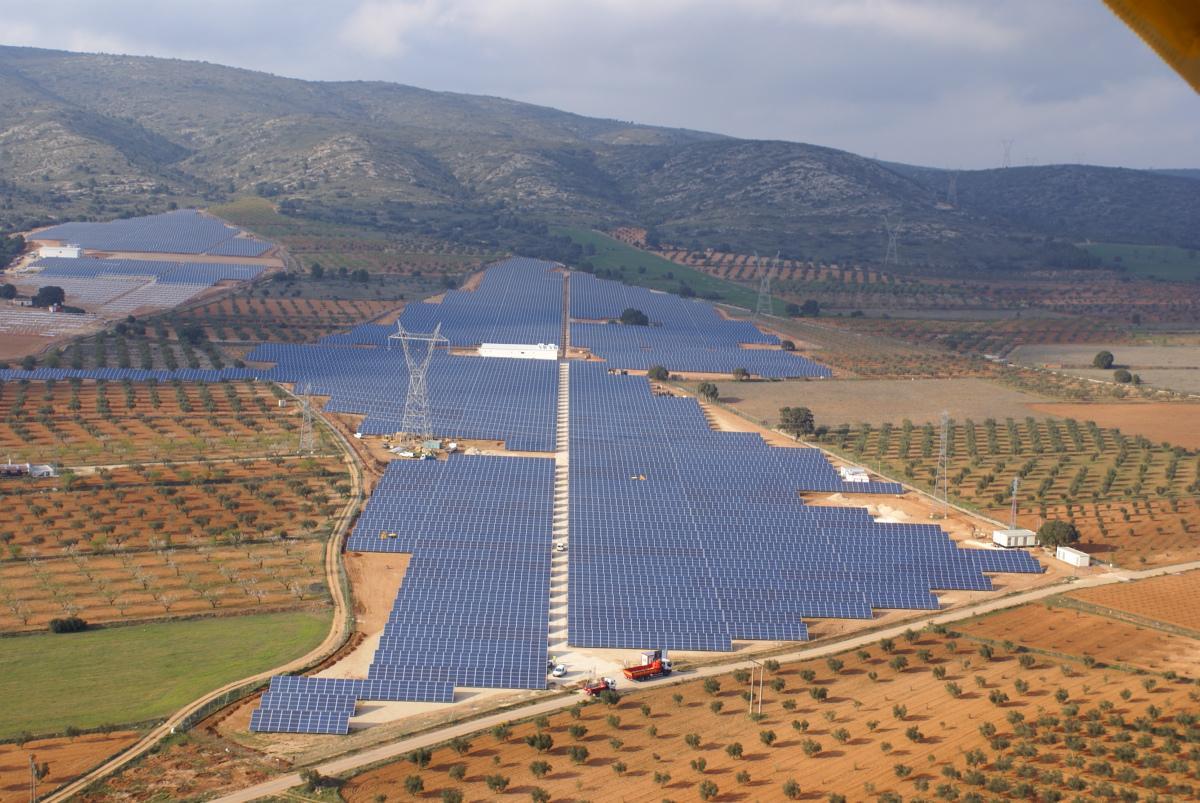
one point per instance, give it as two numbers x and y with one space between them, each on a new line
680 537
136 265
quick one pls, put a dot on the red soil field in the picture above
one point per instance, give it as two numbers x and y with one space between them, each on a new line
1173 599
1067 631
898 733
68 759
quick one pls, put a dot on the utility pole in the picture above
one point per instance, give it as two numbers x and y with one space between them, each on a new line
307 438
943 469
1012 518
764 291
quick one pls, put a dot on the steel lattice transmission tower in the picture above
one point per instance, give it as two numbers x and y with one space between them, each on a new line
952 190
1007 145
942 483
418 353
765 306
308 441
891 256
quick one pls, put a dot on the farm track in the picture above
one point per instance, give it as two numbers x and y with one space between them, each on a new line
428 739
342 625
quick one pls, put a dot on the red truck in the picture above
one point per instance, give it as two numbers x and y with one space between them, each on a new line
594 687
653 664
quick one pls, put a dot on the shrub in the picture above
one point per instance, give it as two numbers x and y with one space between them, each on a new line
1103 359
634 317
1057 533
708 790
540 742
414 785
791 790
69 624
497 783
539 768
658 373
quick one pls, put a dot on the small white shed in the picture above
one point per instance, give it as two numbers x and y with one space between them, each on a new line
1073 556
1010 539
61 251
520 351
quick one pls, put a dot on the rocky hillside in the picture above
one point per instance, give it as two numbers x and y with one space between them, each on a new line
99 136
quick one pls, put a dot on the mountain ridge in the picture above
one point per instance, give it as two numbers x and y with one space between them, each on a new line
94 135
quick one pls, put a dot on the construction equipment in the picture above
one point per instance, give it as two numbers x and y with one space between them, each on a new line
654 664
595 687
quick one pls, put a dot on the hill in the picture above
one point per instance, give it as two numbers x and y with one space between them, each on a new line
101 135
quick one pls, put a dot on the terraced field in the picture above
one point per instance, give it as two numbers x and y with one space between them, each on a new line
1134 501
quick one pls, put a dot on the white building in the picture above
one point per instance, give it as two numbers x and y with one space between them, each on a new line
63 251
520 351
854 474
1073 556
1014 538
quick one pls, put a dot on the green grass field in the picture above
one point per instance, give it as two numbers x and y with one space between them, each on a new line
1150 261
134 674
648 270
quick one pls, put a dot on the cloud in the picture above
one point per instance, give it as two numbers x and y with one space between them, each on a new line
929 81
383 27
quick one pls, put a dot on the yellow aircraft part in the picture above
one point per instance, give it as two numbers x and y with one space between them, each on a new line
1171 27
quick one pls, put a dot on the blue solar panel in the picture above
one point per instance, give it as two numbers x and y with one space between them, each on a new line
681 537
683 335
204 273
686 538
185 231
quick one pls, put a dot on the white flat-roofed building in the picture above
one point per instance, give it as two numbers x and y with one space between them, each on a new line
520 351
1014 538
1073 556
61 251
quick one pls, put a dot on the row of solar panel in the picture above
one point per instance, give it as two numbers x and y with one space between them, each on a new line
185 231
196 273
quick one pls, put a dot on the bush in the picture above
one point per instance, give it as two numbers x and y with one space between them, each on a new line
1057 533
796 420
658 373
791 790
1104 360
70 624
634 317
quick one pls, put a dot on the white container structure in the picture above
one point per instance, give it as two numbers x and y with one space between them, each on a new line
1073 556
1011 539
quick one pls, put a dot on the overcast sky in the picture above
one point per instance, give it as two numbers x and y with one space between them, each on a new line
936 82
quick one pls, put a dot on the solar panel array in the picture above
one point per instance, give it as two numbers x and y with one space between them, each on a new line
473 606
519 300
682 336
185 231
686 538
200 273
681 537
470 397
